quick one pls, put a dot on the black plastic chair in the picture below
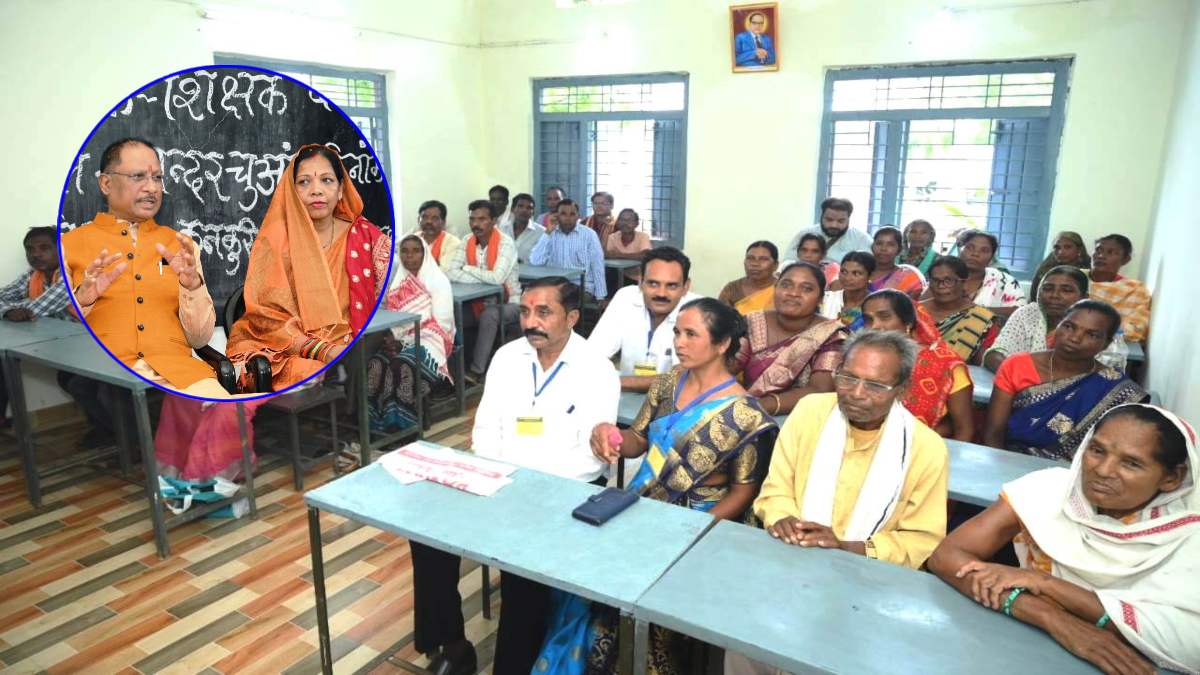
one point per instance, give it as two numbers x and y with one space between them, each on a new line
258 367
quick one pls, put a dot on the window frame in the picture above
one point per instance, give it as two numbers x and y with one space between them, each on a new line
379 115
679 189
890 205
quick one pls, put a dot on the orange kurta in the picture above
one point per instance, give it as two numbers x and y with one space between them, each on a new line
138 316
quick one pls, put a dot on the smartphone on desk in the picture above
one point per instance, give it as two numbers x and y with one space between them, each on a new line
602 506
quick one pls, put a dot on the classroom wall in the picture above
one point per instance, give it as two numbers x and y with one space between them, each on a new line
1174 367
1126 53
69 61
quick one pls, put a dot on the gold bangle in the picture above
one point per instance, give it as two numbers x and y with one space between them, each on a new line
778 404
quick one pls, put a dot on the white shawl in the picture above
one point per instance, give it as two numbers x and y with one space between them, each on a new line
880 491
1146 573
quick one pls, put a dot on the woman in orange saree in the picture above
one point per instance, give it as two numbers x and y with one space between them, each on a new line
316 270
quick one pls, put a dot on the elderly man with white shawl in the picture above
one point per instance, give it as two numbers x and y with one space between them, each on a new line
418 286
855 470
1109 548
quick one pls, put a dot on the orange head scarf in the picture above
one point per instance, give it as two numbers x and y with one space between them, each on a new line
288 280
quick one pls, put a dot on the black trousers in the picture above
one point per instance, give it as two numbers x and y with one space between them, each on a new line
438 618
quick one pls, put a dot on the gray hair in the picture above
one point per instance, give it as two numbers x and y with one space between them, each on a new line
898 343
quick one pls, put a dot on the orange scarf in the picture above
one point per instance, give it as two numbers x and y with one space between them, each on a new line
493 250
37 284
436 249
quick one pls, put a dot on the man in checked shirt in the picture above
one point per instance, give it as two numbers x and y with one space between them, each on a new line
40 292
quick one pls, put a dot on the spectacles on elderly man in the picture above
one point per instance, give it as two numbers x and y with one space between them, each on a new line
846 381
139 177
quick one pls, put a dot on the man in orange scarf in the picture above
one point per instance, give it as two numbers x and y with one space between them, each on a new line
139 284
487 257
432 223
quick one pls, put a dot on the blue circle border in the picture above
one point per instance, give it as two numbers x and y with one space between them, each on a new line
232 398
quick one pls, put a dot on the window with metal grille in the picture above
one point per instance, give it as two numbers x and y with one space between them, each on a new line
626 135
962 146
361 94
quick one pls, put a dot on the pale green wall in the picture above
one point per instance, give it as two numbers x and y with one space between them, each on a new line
1126 53
1171 266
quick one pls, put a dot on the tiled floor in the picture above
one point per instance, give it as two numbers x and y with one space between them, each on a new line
81 589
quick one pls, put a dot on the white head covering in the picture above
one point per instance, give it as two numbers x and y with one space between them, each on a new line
434 280
1146 572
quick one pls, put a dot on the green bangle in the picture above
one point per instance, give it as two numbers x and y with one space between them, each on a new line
1012 597
1103 621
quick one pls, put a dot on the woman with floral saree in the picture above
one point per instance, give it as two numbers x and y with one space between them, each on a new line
791 351
418 287
699 432
967 327
1044 403
940 390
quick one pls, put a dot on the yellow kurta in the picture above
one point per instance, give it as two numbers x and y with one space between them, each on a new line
917 524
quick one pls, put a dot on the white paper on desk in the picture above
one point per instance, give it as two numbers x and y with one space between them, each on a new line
419 461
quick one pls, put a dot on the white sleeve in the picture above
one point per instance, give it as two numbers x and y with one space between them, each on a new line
606 336
489 425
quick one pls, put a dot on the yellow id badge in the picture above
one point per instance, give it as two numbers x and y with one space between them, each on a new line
529 426
645 369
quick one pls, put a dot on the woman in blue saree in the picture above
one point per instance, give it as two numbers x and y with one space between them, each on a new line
699 433
1044 403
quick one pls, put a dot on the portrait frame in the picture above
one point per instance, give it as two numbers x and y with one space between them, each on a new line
742 40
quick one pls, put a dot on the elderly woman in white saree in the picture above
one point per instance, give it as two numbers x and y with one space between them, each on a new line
1109 548
420 287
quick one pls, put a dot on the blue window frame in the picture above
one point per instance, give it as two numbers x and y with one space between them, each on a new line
962 146
623 134
361 94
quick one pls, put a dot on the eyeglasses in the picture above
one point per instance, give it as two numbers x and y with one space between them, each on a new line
844 381
139 177
944 282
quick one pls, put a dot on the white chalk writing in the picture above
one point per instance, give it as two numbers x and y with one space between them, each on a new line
226 244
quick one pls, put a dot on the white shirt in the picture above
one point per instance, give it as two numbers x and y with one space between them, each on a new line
584 392
529 238
854 239
625 328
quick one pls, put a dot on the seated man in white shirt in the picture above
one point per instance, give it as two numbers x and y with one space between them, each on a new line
524 232
640 320
835 228
544 395
498 195
488 256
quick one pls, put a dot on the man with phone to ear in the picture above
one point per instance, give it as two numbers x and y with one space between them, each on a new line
542 397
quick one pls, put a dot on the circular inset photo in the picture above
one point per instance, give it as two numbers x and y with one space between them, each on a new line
224 233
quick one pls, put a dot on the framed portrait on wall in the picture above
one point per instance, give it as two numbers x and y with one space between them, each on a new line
754 37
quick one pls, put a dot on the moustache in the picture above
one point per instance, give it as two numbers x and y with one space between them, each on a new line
533 332
660 299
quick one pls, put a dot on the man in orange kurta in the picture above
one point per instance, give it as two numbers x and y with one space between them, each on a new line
138 284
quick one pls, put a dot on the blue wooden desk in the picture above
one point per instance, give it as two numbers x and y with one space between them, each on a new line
527 272
983 380
79 354
464 293
814 610
620 266
526 528
977 472
384 319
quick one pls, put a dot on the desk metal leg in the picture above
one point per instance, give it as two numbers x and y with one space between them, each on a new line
364 424
16 392
318 572
419 381
141 412
460 387
247 464
122 432
641 646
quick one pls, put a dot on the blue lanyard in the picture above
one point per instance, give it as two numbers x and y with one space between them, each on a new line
703 395
537 391
649 333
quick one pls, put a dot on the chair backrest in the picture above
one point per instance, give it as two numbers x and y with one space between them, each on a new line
233 310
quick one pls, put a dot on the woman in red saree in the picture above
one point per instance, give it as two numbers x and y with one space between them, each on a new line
941 389
316 270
